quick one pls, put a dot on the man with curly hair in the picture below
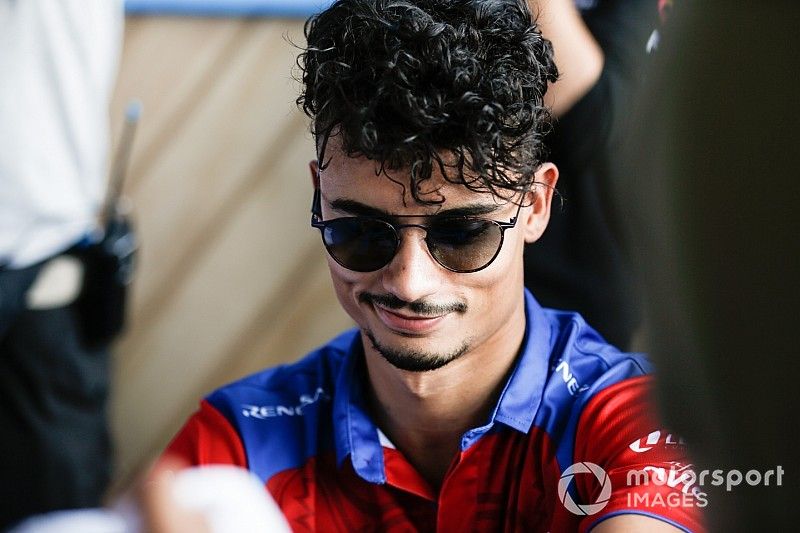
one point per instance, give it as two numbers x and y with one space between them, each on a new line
458 403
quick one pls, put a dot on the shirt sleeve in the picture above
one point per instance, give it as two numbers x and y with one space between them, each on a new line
208 438
647 466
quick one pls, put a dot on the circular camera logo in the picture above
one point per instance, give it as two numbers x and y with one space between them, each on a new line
584 468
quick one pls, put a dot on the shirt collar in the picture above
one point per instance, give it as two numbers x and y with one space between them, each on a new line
522 395
355 433
523 392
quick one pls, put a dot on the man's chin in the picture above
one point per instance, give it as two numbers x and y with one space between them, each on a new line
413 359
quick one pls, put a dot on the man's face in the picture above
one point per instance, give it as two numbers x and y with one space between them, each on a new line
414 312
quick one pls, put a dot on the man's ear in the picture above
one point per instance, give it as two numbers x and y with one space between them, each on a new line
313 166
535 219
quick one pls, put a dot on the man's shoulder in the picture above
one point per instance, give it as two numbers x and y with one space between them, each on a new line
289 386
579 348
590 383
581 365
273 420
565 362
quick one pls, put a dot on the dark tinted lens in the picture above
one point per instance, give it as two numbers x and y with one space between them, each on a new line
360 244
464 245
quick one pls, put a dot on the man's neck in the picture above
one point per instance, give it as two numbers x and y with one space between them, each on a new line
425 414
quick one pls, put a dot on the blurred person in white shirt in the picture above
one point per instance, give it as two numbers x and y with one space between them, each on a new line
58 60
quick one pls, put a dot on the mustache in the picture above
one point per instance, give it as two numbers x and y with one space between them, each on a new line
418 307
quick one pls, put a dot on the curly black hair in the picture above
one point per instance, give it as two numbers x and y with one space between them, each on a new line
415 83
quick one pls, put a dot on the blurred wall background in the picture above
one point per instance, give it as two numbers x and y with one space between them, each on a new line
231 277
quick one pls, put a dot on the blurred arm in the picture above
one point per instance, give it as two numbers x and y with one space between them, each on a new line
577 54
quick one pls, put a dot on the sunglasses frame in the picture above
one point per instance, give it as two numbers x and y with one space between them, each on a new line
317 222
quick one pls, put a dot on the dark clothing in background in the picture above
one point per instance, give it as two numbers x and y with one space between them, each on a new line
55 449
715 233
580 262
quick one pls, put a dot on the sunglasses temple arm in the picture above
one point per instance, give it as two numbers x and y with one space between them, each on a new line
316 203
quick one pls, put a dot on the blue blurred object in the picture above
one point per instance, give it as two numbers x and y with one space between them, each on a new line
226 8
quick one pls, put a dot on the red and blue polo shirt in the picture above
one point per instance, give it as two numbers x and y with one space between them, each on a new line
572 398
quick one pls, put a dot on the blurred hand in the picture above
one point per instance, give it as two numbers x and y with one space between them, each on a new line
175 498
161 513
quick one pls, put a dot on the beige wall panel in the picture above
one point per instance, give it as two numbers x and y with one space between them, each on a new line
232 278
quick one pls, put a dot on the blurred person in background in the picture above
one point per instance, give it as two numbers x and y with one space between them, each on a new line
711 193
58 63
601 50
458 403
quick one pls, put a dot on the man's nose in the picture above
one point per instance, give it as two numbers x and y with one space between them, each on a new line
412 274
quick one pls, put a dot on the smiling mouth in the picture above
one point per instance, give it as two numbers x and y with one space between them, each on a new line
407 324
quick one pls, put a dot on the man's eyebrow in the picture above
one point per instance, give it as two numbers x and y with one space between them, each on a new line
352 207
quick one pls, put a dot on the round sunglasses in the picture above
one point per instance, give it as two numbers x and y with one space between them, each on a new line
365 243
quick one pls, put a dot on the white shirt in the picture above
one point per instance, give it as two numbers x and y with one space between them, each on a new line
58 63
